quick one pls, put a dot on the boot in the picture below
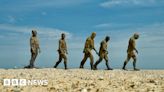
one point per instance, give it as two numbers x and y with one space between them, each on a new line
108 68
27 66
136 69
81 65
124 66
91 64
65 65
95 67
134 65
32 66
57 63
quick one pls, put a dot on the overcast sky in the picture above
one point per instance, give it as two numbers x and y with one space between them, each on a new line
78 19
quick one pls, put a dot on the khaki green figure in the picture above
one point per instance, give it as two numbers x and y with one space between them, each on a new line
89 45
35 48
103 53
130 51
62 51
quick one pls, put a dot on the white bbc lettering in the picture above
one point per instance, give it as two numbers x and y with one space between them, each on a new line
22 82
14 82
6 82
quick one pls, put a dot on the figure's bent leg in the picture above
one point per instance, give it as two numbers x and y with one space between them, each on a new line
97 62
83 61
107 63
36 54
33 58
57 63
134 63
65 61
91 61
126 61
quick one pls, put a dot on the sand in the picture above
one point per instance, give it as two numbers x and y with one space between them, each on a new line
85 80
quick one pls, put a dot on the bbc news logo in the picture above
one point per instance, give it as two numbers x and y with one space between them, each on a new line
24 82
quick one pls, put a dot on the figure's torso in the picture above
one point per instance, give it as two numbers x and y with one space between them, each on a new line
34 42
62 46
89 43
103 46
131 45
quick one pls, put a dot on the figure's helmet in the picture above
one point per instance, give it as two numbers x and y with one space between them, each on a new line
34 32
93 35
136 35
107 38
63 35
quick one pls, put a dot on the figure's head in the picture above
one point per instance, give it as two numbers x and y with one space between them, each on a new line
107 38
34 33
93 35
136 35
63 36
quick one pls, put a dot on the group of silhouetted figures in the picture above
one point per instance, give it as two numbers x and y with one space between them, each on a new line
88 47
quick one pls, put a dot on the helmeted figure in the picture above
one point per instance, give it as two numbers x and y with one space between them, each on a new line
89 45
62 50
35 48
103 53
130 51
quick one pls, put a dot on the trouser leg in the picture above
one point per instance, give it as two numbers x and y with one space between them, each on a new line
107 63
65 65
134 62
91 61
65 61
33 58
124 65
84 60
57 63
126 61
97 62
